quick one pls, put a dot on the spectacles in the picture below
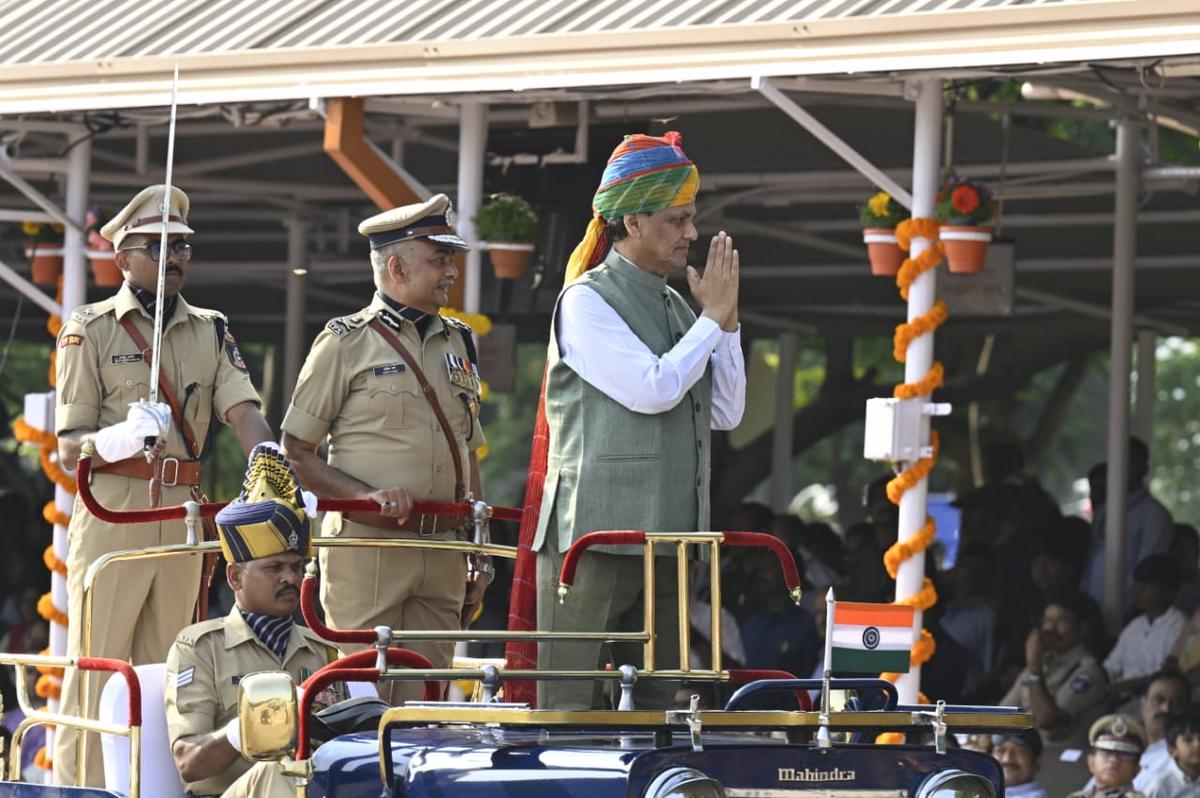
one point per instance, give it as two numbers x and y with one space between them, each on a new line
180 248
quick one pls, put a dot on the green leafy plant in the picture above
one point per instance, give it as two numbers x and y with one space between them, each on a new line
964 203
507 218
882 210
42 232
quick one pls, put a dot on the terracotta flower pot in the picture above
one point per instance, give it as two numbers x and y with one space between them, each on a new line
104 269
510 259
883 251
45 263
966 247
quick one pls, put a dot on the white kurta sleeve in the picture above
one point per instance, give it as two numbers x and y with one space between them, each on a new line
597 344
729 381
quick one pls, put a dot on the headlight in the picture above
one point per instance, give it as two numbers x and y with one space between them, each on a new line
686 783
956 784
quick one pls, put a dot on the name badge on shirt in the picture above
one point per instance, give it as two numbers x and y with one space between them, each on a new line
462 373
391 368
132 357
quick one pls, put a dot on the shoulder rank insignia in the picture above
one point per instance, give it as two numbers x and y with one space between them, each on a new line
344 324
462 373
450 321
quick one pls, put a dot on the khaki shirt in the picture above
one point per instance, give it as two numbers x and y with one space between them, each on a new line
356 389
1077 683
204 666
100 371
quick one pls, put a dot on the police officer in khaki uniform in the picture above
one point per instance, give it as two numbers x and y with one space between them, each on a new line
103 378
387 440
266 538
1117 743
1062 684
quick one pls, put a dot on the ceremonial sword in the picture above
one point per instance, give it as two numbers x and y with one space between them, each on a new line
156 342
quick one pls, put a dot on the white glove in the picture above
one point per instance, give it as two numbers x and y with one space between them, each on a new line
124 440
310 503
233 733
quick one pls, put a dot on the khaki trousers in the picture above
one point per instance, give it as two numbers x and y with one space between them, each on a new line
137 607
606 597
362 588
264 780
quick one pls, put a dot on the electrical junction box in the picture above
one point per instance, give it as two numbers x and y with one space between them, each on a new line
893 430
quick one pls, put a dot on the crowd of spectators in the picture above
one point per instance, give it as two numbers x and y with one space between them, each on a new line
1018 621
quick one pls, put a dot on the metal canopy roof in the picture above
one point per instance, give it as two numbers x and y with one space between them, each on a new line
89 54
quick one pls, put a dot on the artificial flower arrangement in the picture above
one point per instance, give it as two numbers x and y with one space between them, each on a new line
962 209
879 216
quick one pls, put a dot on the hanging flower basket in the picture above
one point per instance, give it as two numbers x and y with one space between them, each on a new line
879 216
966 247
963 207
45 263
104 268
510 259
883 251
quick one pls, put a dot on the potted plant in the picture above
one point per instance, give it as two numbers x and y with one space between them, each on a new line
100 252
508 227
963 207
43 247
879 216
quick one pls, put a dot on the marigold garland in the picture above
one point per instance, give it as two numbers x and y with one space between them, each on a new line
54 471
53 564
54 515
47 610
46 669
906 333
24 433
48 688
44 760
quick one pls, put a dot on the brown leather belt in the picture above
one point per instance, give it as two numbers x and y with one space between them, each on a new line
422 524
170 470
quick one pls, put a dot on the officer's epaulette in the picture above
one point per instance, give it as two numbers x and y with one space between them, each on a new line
450 321
344 324
86 314
191 634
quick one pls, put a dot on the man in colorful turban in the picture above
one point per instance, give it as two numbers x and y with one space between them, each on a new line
635 381
266 537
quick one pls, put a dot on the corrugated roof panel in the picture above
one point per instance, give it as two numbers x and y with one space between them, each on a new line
34 31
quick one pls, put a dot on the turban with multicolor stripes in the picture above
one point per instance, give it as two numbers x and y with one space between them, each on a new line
644 174
269 516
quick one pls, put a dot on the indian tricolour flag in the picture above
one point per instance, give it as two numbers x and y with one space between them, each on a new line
868 638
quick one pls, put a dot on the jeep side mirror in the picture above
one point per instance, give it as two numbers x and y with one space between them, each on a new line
267 715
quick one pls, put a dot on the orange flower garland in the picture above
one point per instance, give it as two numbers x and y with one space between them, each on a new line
906 333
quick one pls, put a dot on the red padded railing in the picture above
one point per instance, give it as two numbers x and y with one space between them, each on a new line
350 669
791 574
209 509
747 675
308 610
131 681
571 558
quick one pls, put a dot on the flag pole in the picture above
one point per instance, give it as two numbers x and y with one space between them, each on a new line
823 739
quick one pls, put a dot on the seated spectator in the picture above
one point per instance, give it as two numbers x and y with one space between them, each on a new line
883 516
777 633
1185 553
866 578
1167 696
1116 743
1142 649
968 616
1180 778
1020 755
1148 526
1062 684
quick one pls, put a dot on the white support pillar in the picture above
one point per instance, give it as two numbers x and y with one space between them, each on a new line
472 149
1147 384
1120 354
785 412
927 151
75 263
297 287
